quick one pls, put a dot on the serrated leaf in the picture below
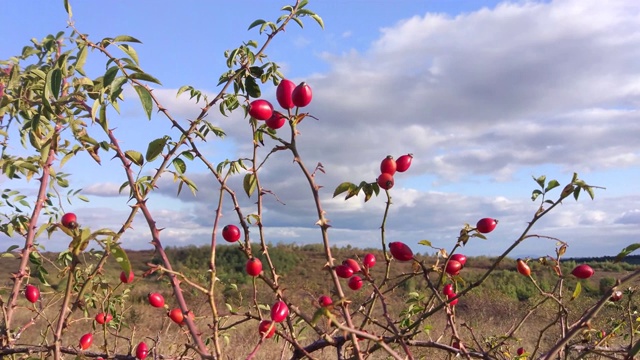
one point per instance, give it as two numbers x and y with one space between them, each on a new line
155 148
345 186
424 242
145 99
249 183
577 291
109 75
134 156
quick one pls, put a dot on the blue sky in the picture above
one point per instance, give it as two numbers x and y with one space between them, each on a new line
485 94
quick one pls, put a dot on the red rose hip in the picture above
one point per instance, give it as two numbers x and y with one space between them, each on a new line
254 266
103 318
369 261
279 311
583 271
231 233
32 293
453 267
352 264
276 121
85 341
486 225
260 109
156 300
344 271
385 181
284 91
523 268
459 258
325 301
400 251
301 95
355 283
69 220
388 165
265 327
142 351
126 279
404 162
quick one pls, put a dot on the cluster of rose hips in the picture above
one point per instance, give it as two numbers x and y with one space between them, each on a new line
279 310
288 95
388 168
349 267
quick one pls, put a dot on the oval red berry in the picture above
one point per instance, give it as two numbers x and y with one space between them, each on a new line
284 91
403 162
254 267
279 311
385 181
156 300
32 293
486 225
583 271
400 251
301 95
388 165
231 233
260 109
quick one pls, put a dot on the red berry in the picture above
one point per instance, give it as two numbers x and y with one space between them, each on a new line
260 109
459 258
486 225
69 220
142 351
583 271
403 162
279 311
388 165
103 318
355 283
32 293
616 296
265 328
400 251
523 268
126 279
156 300
284 93
231 233
369 261
344 271
176 315
352 264
254 266
447 289
385 181
276 121
453 267
301 95
450 296
85 341
325 301
520 351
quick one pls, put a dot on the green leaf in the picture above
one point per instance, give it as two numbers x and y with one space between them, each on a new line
252 87
345 186
121 258
535 194
425 242
318 19
145 99
54 81
626 251
551 185
129 50
155 148
109 75
541 180
249 183
67 8
634 350
134 156
126 38
144 77
577 291
179 165
256 23
82 59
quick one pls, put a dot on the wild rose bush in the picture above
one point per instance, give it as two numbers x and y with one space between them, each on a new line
52 112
